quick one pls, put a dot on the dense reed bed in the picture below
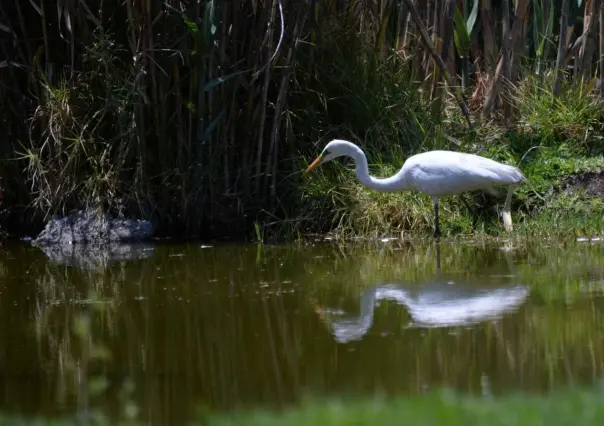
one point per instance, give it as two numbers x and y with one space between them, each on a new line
201 115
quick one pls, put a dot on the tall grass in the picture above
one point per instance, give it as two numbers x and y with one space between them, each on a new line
196 114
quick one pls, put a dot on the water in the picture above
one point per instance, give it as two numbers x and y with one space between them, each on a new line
237 326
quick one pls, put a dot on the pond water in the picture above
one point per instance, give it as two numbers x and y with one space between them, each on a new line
175 328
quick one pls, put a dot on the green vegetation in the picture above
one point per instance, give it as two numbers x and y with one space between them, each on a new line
577 406
443 408
548 147
201 116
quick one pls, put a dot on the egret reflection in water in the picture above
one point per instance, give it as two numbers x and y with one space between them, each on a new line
439 301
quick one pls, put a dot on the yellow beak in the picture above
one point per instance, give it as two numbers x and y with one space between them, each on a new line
314 164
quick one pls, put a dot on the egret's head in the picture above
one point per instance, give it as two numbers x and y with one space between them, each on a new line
335 148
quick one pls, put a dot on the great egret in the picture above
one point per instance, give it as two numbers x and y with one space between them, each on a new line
435 173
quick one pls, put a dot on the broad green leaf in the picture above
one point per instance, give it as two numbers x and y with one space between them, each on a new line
472 18
457 43
462 39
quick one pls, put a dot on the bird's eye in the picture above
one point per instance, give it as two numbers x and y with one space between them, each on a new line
326 152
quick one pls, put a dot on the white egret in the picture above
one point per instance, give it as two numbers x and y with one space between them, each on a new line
435 173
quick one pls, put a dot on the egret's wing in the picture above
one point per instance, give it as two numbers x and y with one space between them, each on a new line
449 172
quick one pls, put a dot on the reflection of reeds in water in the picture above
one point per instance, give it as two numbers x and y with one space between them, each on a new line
537 347
73 309
189 326
567 343
235 326
358 266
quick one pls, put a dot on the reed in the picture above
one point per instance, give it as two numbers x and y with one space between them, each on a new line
195 114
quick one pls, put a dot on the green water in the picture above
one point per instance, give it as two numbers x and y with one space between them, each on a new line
239 326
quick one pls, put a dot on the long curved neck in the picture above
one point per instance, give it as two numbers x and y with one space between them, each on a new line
362 172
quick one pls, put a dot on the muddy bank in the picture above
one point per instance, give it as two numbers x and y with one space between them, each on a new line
591 182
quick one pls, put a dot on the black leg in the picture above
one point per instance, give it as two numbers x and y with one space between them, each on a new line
436 224
438 257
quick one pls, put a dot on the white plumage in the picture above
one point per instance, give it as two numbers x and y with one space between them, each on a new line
435 173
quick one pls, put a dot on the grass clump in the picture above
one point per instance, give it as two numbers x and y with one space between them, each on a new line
69 162
573 119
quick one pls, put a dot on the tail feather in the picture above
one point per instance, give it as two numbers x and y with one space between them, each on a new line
513 174
502 173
